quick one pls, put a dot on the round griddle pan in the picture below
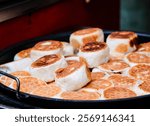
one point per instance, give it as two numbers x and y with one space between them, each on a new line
43 102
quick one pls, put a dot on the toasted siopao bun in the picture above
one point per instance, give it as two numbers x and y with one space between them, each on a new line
119 80
20 73
140 71
8 81
97 70
46 48
118 92
94 53
50 90
135 58
28 84
121 43
97 75
73 77
114 66
81 37
22 54
145 86
100 84
45 67
80 95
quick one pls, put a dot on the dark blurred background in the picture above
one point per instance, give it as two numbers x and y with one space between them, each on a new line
25 19
135 15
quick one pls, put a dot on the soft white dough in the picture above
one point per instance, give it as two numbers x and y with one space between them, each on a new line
67 49
95 58
18 65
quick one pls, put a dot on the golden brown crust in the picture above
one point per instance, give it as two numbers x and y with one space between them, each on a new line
93 46
49 90
114 65
122 48
118 92
145 86
46 60
97 75
125 35
70 62
24 53
88 39
85 31
62 72
7 81
20 73
48 45
138 58
140 71
122 81
27 84
99 84
122 34
80 95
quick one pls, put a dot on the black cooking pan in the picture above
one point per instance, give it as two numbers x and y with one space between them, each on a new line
43 102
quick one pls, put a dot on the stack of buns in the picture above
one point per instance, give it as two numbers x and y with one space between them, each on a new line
86 68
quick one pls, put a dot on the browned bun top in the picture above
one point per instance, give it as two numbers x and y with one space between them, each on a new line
125 35
80 95
85 31
70 62
93 46
99 84
46 60
7 81
24 53
27 84
62 72
20 73
122 34
122 81
140 71
97 75
118 92
138 58
145 86
144 47
114 65
49 90
48 45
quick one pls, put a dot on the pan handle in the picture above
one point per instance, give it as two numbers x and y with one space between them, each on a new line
18 95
